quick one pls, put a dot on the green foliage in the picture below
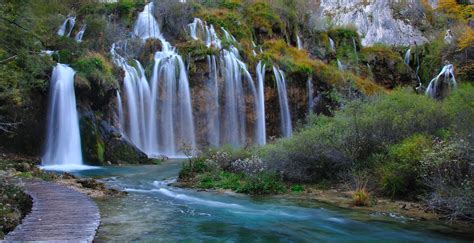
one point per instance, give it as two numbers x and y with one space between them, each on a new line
399 171
232 21
230 4
95 71
460 108
264 183
356 132
216 173
196 49
297 188
344 39
431 59
265 22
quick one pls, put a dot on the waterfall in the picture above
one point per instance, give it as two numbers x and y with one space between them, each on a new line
356 55
237 83
212 103
448 37
332 45
310 94
146 26
448 78
80 34
299 44
120 111
340 66
286 127
63 140
417 58
66 28
260 136
193 28
159 117
407 57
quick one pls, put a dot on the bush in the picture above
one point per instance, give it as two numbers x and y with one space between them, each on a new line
362 128
447 171
460 108
263 183
399 176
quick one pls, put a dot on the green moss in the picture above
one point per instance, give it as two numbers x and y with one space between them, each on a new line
196 50
92 144
232 21
97 70
265 21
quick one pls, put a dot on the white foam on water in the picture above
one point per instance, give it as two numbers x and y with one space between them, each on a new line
69 167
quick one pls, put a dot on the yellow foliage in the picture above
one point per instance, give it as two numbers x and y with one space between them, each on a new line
466 39
459 11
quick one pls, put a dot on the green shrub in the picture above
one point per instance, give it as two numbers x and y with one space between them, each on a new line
353 135
297 188
264 183
448 173
460 108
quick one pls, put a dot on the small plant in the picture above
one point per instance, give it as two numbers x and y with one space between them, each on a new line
361 196
297 188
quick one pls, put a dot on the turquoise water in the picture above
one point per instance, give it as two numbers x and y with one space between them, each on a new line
155 211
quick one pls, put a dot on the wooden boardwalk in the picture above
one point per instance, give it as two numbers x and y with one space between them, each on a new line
58 214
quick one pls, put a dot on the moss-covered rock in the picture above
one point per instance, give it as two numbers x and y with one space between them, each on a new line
387 67
119 151
93 147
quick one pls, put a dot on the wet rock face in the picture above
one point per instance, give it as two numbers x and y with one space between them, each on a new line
377 21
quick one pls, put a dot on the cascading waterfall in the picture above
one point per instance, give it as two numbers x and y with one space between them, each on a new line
299 43
234 73
448 78
260 136
66 28
80 34
310 94
212 103
407 57
63 140
286 127
159 112
146 26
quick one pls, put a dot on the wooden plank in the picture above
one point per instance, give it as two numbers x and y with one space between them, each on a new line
59 214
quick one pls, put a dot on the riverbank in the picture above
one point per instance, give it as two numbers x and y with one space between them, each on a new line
203 179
